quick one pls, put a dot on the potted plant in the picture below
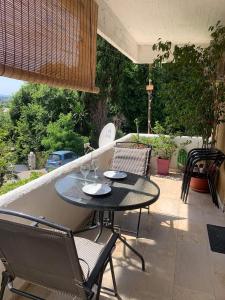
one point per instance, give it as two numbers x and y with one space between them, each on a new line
163 146
199 181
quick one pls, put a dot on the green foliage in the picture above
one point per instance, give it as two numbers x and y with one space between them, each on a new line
53 100
132 97
6 151
193 98
122 96
163 145
35 106
41 158
30 129
182 158
158 128
141 139
13 185
61 135
6 125
119 134
6 159
109 73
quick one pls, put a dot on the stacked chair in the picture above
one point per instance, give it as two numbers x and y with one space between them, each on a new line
213 158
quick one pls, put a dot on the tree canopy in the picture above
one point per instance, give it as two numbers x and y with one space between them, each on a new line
30 129
6 146
61 135
192 94
37 109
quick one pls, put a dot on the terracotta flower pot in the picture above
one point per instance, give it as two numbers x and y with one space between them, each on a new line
163 166
199 184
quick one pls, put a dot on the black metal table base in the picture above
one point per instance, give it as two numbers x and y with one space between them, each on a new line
110 225
123 240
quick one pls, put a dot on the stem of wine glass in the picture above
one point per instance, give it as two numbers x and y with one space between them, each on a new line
96 176
85 178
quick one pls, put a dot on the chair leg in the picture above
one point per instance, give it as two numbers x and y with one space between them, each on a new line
93 218
113 276
5 280
99 285
138 225
148 209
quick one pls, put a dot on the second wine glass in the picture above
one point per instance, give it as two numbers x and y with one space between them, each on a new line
85 170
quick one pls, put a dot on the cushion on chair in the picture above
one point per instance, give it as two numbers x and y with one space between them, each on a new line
131 160
88 254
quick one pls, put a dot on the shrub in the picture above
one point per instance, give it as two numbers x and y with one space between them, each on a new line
13 185
41 158
61 136
163 145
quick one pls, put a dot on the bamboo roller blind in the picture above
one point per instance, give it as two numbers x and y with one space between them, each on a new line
49 41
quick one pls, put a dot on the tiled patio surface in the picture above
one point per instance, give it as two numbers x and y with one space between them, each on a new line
174 242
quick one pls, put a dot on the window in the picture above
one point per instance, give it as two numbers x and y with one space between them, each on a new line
68 155
54 157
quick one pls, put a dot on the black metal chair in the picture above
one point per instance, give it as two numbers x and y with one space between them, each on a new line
133 157
214 158
194 156
52 257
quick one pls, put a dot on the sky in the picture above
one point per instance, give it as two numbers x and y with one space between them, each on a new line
9 86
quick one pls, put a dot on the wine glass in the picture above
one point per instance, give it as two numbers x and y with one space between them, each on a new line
85 169
95 166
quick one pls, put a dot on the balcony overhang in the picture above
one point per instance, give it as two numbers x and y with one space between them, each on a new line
134 26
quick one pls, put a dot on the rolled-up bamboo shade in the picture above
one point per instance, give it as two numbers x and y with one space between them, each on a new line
49 41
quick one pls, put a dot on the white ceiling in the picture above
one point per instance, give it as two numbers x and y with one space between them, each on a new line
180 21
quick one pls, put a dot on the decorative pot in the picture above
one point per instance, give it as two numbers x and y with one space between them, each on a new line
163 166
199 184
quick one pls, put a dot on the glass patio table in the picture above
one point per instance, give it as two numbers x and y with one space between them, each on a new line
132 192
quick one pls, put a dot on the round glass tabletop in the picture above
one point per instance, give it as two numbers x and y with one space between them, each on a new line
129 193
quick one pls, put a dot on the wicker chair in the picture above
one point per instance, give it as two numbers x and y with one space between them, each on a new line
133 157
50 256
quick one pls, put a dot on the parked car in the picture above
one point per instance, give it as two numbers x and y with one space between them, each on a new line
59 158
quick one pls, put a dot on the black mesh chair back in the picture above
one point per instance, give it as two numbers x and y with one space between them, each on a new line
41 256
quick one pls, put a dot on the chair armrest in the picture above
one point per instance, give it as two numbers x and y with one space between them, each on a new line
102 260
35 224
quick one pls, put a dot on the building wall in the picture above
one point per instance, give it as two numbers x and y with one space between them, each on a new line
221 145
